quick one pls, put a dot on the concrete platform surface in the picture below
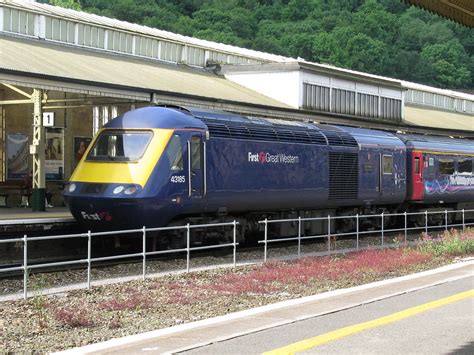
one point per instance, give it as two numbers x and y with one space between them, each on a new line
27 213
197 334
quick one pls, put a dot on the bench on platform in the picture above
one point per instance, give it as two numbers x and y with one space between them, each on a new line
13 188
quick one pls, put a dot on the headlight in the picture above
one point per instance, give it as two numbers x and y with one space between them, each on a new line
130 190
71 187
118 190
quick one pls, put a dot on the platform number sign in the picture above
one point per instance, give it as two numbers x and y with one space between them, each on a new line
48 119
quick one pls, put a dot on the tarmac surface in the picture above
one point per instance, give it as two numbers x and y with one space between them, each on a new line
217 331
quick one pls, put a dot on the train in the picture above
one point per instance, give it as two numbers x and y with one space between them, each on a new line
160 166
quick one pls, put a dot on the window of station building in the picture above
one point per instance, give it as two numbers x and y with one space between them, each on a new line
465 166
196 56
391 109
367 105
170 52
343 101
446 166
316 97
18 21
387 164
174 153
195 153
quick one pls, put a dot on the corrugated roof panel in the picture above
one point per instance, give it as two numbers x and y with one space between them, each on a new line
69 63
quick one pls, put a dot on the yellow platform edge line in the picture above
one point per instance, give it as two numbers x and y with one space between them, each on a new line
357 328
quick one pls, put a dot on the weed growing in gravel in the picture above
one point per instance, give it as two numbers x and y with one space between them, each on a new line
39 300
451 242
73 317
135 301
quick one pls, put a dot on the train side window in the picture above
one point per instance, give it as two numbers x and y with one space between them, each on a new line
465 166
195 153
387 164
175 153
446 166
417 166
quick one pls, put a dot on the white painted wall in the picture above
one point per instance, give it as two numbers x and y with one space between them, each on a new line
282 86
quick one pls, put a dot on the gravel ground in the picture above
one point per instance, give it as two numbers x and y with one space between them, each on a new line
48 323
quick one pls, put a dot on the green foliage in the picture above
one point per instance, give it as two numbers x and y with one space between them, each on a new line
451 243
384 37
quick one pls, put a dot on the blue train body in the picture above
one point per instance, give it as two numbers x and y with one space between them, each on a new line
201 164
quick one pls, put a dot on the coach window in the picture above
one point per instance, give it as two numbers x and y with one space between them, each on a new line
175 153
417 165
446 166
465 166
387 164
196 153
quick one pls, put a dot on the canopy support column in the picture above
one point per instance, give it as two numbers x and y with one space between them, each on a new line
38 153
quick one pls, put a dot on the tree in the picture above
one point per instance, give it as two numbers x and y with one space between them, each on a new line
446 64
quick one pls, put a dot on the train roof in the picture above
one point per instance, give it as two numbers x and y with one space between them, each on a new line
438 144
155 117
228 125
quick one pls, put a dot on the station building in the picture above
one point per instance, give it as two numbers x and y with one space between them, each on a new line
64 74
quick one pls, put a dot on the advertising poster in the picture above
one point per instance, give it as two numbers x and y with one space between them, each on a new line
17 155
54 154
80 147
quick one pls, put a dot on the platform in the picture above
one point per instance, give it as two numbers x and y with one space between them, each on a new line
201 333
27 213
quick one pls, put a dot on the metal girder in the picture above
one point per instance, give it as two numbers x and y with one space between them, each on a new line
39 180
21 92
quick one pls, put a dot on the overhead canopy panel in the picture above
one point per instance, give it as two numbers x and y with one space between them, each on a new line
41 65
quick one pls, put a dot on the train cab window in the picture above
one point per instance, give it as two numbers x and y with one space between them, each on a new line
195 153
465 166
446 166
417 165
120 146
174 153
387 164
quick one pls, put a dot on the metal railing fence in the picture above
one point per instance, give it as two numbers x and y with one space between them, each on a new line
144 254
26 268
383 231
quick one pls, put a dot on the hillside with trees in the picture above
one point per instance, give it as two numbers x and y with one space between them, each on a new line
384 37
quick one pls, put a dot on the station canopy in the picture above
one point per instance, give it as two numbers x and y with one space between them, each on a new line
36 64
461 11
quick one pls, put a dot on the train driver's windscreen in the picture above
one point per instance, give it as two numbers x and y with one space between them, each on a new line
120 146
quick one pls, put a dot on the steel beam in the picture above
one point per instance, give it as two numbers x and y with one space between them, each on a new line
38 154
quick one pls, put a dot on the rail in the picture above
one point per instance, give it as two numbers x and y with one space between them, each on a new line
144 254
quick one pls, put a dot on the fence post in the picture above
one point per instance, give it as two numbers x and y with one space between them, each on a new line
357 231
446 220
463 224
426 221
265 242
382 230
188 243
89 247
25 267
405 215
299 237
329 233
144 254
235 243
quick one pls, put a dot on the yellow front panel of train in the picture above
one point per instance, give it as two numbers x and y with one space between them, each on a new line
124 172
